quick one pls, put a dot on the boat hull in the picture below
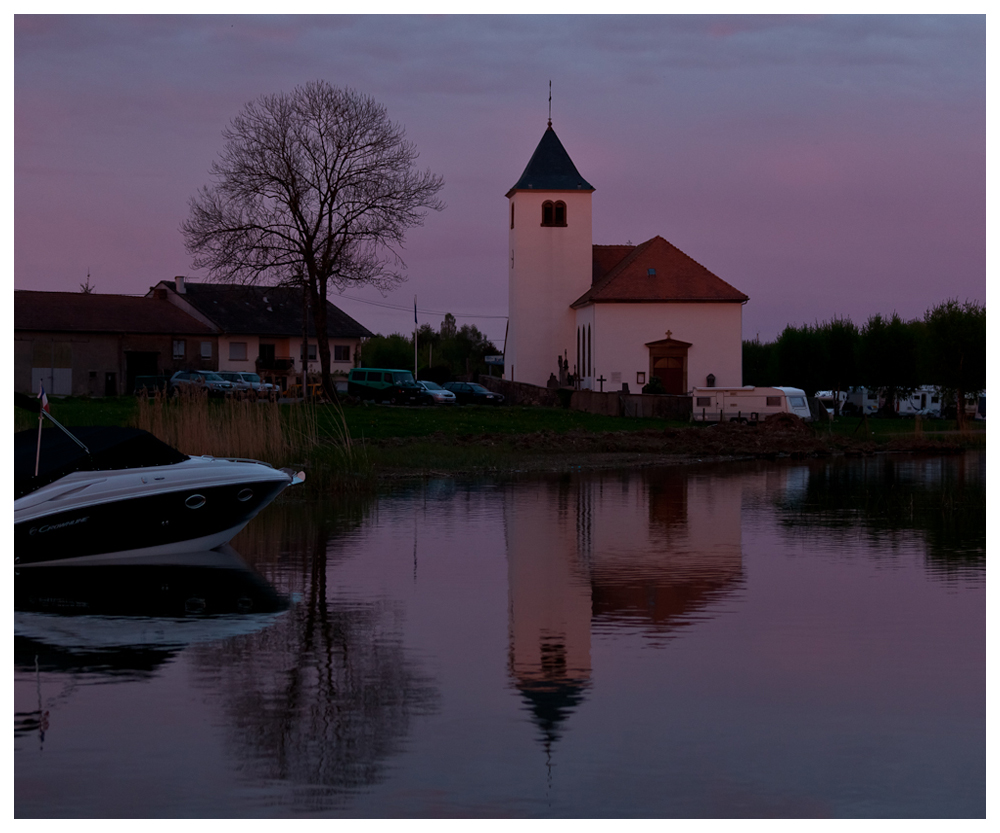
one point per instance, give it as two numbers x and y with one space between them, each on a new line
102 517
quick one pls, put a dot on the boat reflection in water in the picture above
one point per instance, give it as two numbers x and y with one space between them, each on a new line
610 553
129 619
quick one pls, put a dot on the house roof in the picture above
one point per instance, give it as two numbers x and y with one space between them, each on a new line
550 169
92 313
622 274
262 310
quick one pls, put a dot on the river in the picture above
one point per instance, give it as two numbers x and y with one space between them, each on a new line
742 640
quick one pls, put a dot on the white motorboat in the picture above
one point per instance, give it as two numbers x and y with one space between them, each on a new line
98 493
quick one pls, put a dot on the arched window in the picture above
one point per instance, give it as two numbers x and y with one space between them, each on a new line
590 344
579 366
553 213
512 215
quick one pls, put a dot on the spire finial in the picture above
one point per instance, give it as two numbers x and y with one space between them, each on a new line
550 103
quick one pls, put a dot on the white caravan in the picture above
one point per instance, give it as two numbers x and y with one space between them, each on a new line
747 404
925 401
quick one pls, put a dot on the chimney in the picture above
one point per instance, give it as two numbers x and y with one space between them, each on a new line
179 284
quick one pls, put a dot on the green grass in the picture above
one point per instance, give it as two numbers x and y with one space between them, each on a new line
376 422
885 429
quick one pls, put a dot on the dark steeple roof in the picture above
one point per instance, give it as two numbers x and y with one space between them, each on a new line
551 169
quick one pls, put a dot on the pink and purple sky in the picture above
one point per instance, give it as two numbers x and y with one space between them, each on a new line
825 166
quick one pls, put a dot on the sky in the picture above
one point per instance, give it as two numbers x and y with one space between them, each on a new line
826 166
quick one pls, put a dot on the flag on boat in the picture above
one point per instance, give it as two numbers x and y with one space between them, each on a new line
43 398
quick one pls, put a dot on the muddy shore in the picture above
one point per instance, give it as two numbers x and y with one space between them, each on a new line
777 438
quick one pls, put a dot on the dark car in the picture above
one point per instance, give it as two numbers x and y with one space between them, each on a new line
469 393
200 380
396 387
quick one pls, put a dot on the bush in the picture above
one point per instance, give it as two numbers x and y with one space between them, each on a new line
655 385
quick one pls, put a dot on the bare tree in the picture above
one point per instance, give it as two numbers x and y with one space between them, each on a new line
315 188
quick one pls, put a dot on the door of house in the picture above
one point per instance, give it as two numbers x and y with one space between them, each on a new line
668 362
139 363
670 370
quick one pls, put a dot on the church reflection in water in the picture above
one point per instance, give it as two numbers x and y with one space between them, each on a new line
596 554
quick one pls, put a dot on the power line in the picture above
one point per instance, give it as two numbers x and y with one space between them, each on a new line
419 310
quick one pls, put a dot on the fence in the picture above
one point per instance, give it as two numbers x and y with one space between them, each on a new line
614 403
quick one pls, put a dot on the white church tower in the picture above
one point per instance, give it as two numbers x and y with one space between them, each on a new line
550 262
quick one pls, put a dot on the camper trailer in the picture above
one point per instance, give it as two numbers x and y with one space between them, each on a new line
860 400
747 404
925 401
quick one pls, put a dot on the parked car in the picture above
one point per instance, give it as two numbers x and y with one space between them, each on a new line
469 393
438 393
247 382
379 384
200 379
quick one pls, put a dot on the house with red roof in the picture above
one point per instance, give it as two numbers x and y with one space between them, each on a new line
79 344
262 329
609 315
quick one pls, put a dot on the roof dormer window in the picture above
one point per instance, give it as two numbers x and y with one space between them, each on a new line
553 213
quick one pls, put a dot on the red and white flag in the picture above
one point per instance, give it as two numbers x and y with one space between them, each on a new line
44 398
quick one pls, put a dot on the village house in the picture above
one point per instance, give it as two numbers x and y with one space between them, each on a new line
610 316
78 344
260 328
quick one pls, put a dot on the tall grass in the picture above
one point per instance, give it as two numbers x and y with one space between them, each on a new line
283 435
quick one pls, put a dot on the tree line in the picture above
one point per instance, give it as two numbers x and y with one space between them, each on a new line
441 354
946 348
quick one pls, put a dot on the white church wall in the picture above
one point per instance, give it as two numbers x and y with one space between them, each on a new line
621 332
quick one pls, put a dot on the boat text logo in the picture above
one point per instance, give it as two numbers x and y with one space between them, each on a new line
51 527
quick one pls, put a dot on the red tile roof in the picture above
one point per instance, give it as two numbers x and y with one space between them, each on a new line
622 275
80 312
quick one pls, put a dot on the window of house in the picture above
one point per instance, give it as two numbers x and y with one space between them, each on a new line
206 349
179 348
237 351
640 378
311 352
547 213
560 214
341 352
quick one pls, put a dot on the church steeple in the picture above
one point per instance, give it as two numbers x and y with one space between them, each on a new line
550 263
550 168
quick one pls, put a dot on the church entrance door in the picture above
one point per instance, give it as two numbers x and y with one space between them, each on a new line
668 362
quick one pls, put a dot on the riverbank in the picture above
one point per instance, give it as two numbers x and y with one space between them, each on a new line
546 450
388 443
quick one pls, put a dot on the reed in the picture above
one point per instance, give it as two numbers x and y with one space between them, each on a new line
283 435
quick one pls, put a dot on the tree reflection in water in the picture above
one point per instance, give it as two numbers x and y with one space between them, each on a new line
324 697
940 501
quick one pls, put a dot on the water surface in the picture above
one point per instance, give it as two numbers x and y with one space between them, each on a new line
758 640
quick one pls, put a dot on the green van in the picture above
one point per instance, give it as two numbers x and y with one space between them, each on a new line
385 385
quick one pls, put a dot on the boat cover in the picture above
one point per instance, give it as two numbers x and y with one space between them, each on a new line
110 448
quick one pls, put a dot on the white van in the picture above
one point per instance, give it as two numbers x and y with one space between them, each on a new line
747 404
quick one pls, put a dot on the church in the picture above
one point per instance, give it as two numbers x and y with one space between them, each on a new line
610 315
